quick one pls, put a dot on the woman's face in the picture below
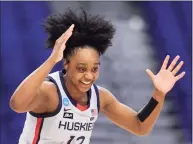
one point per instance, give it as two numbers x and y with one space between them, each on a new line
83 69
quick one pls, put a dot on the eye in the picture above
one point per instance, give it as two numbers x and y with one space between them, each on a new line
95 69
81 69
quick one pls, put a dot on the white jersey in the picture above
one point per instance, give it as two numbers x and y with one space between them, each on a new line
68 124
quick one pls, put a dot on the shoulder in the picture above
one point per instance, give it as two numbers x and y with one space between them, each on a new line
49 90
106 97
47 98
48 86
103 91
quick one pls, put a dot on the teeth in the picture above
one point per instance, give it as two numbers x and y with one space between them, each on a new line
86 82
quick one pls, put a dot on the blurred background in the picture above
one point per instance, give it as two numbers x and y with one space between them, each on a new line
145 33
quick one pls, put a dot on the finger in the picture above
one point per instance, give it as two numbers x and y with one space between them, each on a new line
172 65
150 73
178 67
67 37
63 46
180 76
65 33
64 37
165 63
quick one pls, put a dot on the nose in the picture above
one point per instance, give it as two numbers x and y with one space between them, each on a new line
89 76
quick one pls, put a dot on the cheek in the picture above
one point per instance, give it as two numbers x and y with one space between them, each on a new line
96 75
76 77
72 76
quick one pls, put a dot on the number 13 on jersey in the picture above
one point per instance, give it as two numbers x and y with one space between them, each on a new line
79 140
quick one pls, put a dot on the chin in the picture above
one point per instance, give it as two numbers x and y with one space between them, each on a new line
84 88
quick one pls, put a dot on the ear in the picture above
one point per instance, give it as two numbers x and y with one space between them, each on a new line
65 65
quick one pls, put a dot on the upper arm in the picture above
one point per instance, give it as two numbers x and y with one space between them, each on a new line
118 113
41 102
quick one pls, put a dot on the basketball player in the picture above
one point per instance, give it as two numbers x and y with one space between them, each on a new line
63 106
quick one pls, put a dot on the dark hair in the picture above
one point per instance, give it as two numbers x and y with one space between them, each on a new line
90 30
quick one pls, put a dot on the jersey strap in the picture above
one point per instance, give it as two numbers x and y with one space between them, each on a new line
97 95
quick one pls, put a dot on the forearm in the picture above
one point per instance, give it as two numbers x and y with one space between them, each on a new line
148 123
29 87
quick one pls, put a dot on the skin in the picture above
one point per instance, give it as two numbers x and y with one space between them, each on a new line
37 95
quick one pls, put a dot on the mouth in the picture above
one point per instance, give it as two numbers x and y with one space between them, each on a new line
86 83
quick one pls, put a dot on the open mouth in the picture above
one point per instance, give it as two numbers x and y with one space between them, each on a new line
86 83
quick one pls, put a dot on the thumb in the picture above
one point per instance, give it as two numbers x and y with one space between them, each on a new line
150 74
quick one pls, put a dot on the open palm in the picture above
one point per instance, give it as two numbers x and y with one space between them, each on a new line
166 77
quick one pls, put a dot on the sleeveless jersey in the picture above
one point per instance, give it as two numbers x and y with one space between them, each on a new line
68 124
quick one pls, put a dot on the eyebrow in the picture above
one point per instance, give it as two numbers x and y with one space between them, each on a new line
87 64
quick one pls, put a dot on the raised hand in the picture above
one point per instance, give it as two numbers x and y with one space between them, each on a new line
60 45
166 77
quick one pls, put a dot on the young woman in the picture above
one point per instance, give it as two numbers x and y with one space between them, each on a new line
63 106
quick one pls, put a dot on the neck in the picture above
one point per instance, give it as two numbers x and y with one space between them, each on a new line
74 93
